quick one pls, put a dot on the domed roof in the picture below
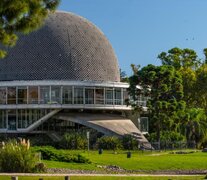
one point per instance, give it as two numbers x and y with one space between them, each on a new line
67 47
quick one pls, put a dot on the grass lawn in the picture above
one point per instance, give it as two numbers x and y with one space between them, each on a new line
139 161
108 178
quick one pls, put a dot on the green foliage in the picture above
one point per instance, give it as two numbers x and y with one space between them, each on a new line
194 124
144 161
129 142
74 140
178 58
167 136
200 94
109 142
163 84
52 154
16 157
22 17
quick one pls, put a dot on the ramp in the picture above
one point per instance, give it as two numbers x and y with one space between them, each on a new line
106 123
39 122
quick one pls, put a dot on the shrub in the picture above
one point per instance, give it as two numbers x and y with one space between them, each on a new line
52 154
109 142
17 157
40 167
74 140
129 142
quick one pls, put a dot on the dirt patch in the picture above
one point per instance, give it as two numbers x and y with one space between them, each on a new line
117 170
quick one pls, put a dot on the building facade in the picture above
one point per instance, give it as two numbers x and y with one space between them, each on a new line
63 76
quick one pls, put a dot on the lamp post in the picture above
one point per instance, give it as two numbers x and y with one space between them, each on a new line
88 137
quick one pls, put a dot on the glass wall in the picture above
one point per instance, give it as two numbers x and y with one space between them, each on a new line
89 95
22 118
55 94
11 95
67 95
117 94
142 100
109 96
99 96
33 95
78 95
12 120
3 95
144 124
125 96
22 95
44 94
3 119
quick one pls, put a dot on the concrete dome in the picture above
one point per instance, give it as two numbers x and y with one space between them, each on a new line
67 47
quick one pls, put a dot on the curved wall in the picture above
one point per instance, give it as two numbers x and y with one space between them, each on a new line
67 47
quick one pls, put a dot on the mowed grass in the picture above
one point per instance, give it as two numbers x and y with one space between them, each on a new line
108 178
147 161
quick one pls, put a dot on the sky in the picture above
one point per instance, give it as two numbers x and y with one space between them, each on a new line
141 29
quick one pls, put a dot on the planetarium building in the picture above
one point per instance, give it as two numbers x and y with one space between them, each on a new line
63 76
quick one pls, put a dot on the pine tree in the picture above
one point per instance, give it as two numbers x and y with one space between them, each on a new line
22 16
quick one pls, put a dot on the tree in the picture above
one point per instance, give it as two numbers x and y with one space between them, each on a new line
22 16
180 58
163 84
194 125
205 53
123 76
201 87
188 64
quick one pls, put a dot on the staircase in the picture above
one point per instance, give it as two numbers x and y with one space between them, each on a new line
144 143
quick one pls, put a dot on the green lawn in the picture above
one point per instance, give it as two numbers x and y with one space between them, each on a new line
108 178
139 161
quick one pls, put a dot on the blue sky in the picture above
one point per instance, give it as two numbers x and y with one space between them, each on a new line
140 29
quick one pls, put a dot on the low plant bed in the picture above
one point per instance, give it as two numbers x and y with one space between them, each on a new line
52 154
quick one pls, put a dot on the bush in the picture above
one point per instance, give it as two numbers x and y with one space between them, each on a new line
52 154
17 157
129 142
109 142
40 167
75 140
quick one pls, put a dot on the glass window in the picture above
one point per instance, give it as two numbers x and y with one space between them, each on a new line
89 96
22 118
78 95
144 124
55 95
2 95
22 95
44 94
11 95
117 93
12 119
2 119
29 116
67 95
109 96
142 101
125 96
33 94
99 96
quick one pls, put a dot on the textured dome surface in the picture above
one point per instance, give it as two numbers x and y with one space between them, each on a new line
67 47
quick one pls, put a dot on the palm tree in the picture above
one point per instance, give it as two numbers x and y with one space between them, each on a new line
195 125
